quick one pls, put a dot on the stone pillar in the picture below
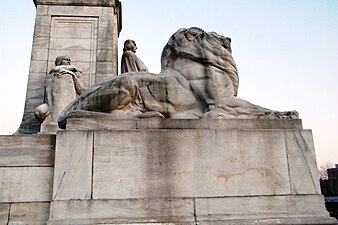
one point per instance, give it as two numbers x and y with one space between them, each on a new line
87 31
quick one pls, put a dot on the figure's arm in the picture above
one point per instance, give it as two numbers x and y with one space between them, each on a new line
78 83
64 69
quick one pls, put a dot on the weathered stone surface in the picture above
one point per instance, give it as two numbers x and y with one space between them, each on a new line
184 89
202 171
4 213
130 62
70 27
105 121
121 211
288 209
76 2
189 163
26 184
27 150
29 214
63 84
73 165
301 154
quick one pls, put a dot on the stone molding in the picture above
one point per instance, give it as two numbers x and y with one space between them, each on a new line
78 2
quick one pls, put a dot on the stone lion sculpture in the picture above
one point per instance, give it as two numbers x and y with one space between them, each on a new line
199 79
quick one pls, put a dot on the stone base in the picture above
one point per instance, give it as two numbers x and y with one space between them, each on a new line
186 172
26 178
228 210
49 128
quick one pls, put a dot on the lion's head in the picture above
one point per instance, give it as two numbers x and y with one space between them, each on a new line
208 48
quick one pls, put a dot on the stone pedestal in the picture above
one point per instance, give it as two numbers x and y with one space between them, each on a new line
87 31
186 172
26 178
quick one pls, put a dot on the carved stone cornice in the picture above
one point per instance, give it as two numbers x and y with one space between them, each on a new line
78 2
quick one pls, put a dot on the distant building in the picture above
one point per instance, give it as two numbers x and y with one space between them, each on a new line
332 174
329 189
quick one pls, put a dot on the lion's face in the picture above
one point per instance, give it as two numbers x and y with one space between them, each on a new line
198 55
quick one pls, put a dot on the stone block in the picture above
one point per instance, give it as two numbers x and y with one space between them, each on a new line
73 165
106 55
74 10
4 213
288 209
107 43
38 66
106 32
189 163
41 31
108 11
301 154
27 150
42 20
26 184
121 211
73 44
80 55
106 21
105 121
41 10
74 28
35 92
29 213
39 54
105 68
76 2
36 85
41 42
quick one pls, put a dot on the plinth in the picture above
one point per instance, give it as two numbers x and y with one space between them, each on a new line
186 172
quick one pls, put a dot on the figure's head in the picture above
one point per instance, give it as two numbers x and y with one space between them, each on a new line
62 60
129 45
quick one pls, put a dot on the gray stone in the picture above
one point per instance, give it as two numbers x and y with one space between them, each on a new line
73 167
63 84
76 2
189 163
202 171
301 153
183 90
39 54
26 184
4 213
86 121
29 214
287 209
121 211
130 62
62 27
27 150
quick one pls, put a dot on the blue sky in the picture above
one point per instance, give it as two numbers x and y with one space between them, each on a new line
286 52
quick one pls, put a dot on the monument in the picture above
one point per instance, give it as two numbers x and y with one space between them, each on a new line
178 147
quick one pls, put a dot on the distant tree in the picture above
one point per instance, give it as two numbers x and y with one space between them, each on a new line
323 170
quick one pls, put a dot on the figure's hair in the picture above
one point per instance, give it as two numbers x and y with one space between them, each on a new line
59 59
129 45
207 48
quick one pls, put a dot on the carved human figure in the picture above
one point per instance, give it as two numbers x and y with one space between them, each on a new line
130 62
63 84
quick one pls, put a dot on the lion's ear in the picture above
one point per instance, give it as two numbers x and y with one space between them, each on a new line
227 44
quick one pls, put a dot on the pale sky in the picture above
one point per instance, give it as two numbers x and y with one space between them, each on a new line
286 53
